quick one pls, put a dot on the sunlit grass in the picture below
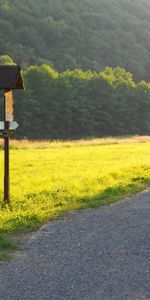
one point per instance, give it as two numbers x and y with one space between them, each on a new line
50 178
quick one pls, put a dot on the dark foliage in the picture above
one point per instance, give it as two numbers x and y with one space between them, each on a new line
69 34
77 104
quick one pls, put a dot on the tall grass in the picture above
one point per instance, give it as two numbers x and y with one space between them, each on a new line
26 144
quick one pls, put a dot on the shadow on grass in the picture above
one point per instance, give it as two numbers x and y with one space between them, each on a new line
112 194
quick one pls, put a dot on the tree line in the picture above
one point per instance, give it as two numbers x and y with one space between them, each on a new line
78 104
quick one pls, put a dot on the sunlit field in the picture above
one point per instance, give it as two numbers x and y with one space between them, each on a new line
49 179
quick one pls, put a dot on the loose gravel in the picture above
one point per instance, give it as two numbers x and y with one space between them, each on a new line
89 255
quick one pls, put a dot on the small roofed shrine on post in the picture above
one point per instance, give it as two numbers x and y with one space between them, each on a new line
10 79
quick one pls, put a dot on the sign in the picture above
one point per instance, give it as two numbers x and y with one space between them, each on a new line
7 133
9 106
10 79
12 125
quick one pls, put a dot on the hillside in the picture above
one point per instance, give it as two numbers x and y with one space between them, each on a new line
78 34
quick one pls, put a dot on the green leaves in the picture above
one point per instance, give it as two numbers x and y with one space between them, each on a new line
76 104
77 34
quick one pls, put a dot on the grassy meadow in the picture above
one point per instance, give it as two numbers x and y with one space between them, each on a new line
49 179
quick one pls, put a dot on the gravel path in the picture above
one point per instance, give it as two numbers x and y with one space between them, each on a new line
90 255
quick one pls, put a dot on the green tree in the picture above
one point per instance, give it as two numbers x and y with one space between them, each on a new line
6 60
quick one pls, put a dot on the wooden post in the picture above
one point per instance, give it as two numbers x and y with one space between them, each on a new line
6 160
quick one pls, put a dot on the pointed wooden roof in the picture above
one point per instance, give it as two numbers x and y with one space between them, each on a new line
10 77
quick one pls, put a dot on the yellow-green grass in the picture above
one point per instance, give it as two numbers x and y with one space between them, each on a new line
49 179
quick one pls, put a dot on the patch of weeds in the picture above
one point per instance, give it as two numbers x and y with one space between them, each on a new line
7 246
54 194
31 195
140 178
4 256
25 223
59 204
7 243
60 193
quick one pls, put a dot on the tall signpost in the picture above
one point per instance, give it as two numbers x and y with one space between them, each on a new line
10 79
8 117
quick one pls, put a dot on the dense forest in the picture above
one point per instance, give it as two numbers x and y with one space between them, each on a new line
70 34
76 104
78 58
